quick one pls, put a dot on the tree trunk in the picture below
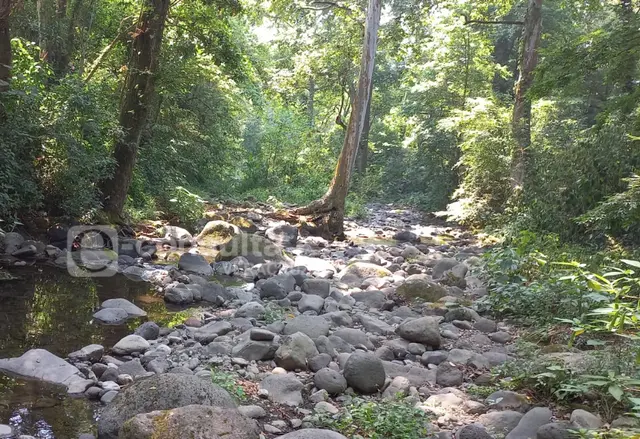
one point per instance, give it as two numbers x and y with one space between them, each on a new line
362 158
310 102
521 122
332 204
59 55
627 73
134 109
5 45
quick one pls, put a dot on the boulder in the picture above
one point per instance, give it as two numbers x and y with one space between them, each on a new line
420 288
500 423
448 375
424 330
213 292
283 234
313 326
180 293
210 331
216 233
507 400
192 421
311 302
364 372
148 331
160 392
528 426
111 316
194 263
131 309
283 389
584 419
370 298
355 273
42 365
318 287
295 351
330 380
92 352
130 344
277 287
354 337
256 249
473 431
251 310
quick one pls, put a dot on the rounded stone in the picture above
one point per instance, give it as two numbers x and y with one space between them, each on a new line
364 372
330 380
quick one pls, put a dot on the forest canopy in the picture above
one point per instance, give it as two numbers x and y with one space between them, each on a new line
516 114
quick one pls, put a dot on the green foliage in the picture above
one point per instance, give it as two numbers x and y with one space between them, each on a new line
184 207
388 419
228 381
274 313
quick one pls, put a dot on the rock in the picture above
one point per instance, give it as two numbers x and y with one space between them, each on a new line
485 325
278 286
174 233
131 309
194 263
148 331
330 380
111 316
213 292
406 236
365 372
370 298
448 375
354 337
416 349
295 351
624 422
12 242
424 330
530 423
399 387
284 234
500 337
320 395
312 433
133 368
318 362
283 389
259 334
42 365
327 408
443 403
256 249
442 266
252 411
583 419
355 273
6 431
376 326
108 396
180 294
473 431
507 400
210 331
315 265
311 302
313 326
319 287
193 421
500 423
424 289
92 352
433 357
160 392
555 430
466 314
130 344
251 310
216 233
253 350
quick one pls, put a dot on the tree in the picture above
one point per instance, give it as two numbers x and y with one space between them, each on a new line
521 121
332 204
5 44
137 96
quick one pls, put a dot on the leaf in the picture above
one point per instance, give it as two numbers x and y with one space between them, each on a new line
616 391
635 264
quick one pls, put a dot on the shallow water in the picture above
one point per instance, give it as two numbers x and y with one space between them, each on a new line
46 308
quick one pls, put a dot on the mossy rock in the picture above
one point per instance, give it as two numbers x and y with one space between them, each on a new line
193 422
423 289
257 249
217 233
246 225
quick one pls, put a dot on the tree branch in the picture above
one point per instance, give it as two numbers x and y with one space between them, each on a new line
467 21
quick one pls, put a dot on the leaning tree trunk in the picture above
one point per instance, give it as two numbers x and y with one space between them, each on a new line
134 109
362 159
332 204
5 45
521 122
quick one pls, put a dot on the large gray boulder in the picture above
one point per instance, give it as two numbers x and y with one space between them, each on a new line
42 365
192 421
313 326
283 234
215 293
424 330
283 389
318 287
256 249
277 287
364 372
311 302
131 309
330 380
354 337
355 273
312 433
530 423
193 263
210 331
130 344
160 392
111 316
295 351
500 422
419 288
